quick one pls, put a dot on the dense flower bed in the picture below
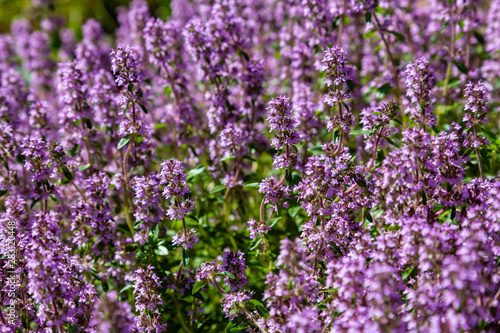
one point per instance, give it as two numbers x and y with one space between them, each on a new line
254 165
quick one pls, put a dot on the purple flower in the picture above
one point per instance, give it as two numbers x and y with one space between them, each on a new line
338 72
492 27
147 200
93 217
55 280
280 119
274 192
279 114
337 68
304 321
186 240
231 141
419 83
112 315
234 263
208 270
173 179
159 40
476 104
147 301
38 161
125 64
233 301
71 87
257 229
92 31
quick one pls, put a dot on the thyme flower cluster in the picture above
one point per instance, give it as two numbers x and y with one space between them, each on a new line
256 165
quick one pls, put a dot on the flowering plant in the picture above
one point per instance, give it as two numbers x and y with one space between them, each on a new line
254 165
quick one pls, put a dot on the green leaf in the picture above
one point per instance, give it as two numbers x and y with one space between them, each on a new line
229 275
351 85
398 36
488 133
436 129
360 132
245 55
254 185
197 286
138 138
407 273
158 126
34 203
217 188
88 123
186 256
459 35
398 121
246 157
161 251
255 243
154 233
229 326
192 217
336 136
139 93
124 141
391 142
479 37
369 34
195 172
368 17
273 222
84 167
383 90
454 82
453 212
368 215
443 27
461 67
127 287
143 108
67 173
424 197
316 150
74 150
293 211
2 192
261 309
256 302
360 181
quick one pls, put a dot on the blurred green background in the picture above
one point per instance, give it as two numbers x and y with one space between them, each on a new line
76 12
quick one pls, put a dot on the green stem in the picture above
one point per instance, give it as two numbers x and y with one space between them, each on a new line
176 299
481 173
262 204
341 26
125 187
391 58
252 318
452 54
179 314
226 208
80 191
